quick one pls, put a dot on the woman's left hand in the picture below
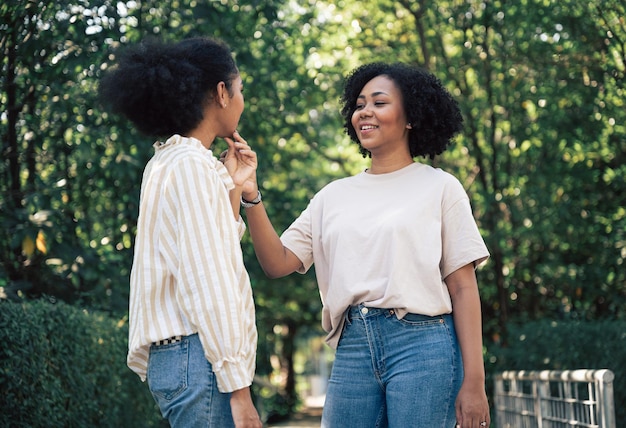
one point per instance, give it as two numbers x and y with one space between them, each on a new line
472 407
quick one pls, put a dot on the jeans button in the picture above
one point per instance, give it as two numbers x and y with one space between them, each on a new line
364 311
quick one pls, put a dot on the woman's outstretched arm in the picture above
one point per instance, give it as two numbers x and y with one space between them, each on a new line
275 259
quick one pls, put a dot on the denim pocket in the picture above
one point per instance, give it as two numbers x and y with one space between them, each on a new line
418 320
167 370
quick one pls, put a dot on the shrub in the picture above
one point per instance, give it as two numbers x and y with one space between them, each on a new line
565 345
61 366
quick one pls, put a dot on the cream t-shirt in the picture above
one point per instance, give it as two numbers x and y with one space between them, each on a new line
387 241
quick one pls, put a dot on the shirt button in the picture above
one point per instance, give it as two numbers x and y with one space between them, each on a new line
364 311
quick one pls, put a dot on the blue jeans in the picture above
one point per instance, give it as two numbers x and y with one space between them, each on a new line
394 373
183 384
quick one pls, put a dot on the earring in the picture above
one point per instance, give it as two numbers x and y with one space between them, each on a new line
409 126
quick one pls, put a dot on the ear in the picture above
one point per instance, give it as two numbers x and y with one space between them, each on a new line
409 126
221 95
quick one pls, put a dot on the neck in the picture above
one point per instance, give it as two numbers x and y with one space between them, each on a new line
205 137
388 164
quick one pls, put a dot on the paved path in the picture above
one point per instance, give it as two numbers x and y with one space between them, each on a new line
307 418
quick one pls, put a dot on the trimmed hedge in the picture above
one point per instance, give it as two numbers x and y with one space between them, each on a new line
61 366
565 345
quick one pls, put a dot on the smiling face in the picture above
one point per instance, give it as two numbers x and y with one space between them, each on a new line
379 119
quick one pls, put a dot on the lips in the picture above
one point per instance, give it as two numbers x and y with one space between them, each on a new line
364 130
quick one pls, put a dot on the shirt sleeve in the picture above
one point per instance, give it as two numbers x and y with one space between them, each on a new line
210 271
228 182
298 239
461 240
241 227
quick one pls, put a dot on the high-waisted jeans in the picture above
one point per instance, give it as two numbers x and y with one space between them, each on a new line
394 373
184 386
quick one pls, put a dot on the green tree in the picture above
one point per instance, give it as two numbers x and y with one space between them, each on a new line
541 88
55 176
72 171
540 83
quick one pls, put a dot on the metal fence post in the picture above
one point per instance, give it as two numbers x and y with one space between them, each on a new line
604 380
554 399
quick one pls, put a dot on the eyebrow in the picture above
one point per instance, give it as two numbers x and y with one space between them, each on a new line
374 94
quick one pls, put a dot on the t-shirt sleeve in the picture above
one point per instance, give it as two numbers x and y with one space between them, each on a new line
461 240
298 239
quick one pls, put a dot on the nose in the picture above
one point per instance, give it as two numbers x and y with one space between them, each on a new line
365 112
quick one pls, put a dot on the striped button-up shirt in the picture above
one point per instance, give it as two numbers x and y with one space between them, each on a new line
188 274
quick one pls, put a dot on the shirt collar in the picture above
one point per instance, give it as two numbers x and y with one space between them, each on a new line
213 161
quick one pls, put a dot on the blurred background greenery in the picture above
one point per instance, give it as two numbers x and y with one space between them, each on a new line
542 156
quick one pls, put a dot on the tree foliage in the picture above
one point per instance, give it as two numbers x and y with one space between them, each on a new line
541 87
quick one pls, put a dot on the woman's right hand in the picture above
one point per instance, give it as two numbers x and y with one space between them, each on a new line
241 163
244 413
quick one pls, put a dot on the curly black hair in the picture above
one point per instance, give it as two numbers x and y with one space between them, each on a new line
434 115
163 88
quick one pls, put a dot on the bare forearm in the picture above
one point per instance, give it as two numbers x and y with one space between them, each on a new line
274 258
468 325
468 321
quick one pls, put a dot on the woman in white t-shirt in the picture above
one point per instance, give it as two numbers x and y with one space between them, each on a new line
394 248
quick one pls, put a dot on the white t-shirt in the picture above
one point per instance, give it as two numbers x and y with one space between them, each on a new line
387 241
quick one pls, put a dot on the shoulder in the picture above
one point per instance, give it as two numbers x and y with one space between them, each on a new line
438 174
336 187
445 178
438 183
179 149
340 183
182 158
433 177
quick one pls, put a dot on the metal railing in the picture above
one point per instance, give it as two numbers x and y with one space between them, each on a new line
554 399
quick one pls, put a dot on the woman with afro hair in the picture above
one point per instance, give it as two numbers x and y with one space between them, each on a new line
395 248
192 332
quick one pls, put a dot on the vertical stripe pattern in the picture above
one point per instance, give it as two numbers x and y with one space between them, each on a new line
188 274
